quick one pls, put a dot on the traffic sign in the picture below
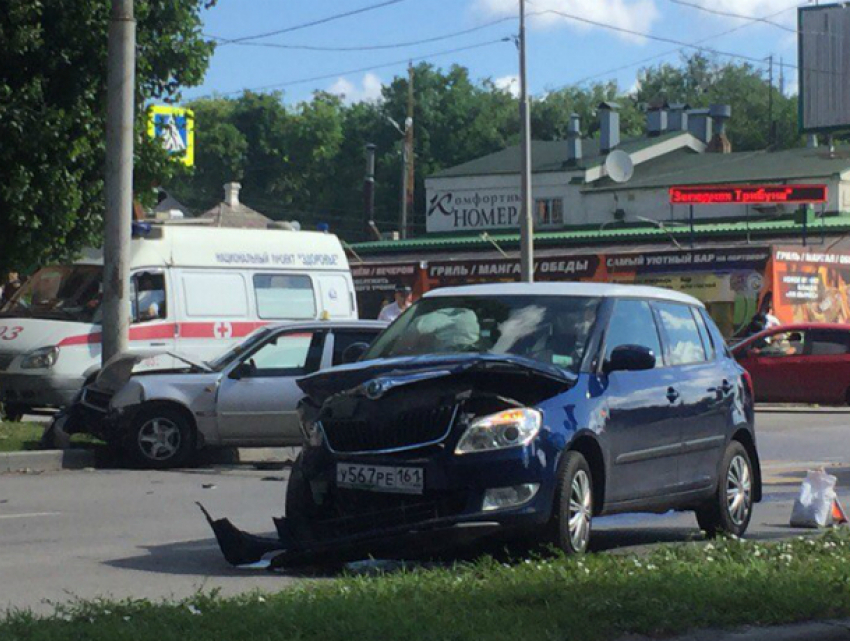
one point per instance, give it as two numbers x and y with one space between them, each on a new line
175 126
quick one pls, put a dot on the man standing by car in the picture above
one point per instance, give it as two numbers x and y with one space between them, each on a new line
403 298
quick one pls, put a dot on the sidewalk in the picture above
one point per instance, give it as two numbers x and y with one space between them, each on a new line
838 630
801 409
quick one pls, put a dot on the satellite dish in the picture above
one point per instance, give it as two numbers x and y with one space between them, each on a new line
619 166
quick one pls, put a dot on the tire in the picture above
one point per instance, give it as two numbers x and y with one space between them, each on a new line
573 504
13 413
730 509
160 437
301 508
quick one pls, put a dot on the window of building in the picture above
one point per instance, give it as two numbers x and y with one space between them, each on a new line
549 212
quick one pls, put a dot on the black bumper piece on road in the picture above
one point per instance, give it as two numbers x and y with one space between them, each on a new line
426 537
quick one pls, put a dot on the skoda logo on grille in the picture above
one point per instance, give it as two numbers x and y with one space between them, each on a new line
375 389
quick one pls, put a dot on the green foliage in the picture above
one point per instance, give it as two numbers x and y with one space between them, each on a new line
307 161
673 589
53 112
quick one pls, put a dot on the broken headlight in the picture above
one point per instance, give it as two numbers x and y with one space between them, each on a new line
510 428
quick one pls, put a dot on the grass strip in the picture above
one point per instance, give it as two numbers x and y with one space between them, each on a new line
673 589
15 437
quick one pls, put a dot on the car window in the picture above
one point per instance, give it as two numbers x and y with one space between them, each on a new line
779 345
705 335
284 296
147 297
343 339
684 344
632 323
288 354
828 343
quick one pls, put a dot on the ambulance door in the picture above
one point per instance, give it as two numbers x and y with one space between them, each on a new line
336 294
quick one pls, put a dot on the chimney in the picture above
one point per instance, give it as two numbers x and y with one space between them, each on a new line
719 142
699 124
574 140
231 194
609 126
678 117
656 121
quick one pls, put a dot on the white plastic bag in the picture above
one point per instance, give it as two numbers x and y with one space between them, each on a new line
813 508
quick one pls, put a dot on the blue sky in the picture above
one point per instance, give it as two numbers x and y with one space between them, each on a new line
560 51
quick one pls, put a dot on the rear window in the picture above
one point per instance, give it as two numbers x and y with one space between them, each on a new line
684 344
829 343
284 296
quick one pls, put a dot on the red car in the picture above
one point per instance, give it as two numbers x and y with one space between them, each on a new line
806 363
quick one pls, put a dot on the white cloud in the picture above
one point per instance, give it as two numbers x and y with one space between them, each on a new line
508 83
369 89
635 15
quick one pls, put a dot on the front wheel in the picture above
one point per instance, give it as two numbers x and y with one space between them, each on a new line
161 437
730 509
572 512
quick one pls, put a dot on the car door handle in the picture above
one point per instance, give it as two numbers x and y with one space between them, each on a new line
726 387
672 395
158 344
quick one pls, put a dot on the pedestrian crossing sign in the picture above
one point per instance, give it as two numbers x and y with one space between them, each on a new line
175 126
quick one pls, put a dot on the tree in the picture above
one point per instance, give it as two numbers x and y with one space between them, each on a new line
53 111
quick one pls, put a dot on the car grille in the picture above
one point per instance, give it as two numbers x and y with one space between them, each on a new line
5 361
405 430
96 399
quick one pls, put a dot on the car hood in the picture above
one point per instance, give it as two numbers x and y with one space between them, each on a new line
385 374
119 369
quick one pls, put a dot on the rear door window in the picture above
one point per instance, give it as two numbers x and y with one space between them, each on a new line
828 343
284 296
684 345
632 323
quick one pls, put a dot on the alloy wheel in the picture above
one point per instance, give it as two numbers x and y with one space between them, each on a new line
581 509
159 439
738 490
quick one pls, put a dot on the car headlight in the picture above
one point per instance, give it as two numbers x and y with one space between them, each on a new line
43 358
511 428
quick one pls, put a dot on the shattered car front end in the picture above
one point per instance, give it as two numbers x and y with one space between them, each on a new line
415 454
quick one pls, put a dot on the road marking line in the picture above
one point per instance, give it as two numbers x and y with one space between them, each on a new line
28 515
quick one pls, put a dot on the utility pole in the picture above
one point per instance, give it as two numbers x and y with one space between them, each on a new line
408 182
121 95
369 189
770 103
526 225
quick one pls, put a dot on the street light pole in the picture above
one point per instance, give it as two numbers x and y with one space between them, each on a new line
526 228
121 83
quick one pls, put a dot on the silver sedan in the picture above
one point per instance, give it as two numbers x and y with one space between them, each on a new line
247 397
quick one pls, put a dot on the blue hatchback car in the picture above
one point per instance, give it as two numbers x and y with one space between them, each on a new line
526 410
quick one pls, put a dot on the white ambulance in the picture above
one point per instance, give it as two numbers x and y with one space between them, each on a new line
195 290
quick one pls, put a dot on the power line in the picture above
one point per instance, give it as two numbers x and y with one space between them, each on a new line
397 45
313 23
730 14
672 51
363 69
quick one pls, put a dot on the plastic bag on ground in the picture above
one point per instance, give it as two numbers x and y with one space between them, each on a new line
813 508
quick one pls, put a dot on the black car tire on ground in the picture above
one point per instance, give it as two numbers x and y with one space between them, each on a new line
160 437
11 412
573 501
300 506
734 482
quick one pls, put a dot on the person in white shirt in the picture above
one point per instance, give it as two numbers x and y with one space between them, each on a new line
403 298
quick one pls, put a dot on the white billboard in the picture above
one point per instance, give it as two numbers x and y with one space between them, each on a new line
472 209
824 69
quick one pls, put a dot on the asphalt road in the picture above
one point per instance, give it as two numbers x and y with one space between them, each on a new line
139 534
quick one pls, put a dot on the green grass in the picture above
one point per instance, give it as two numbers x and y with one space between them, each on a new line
15 437
603 596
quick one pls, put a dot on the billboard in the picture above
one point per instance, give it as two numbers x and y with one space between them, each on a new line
824 67
175 126
748 194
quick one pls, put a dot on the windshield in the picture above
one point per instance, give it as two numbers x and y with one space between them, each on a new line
550 329
230 355
64 292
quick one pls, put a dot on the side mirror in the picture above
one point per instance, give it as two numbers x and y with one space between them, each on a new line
243 370
630 358
353 352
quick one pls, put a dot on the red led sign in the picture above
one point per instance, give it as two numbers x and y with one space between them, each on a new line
748 194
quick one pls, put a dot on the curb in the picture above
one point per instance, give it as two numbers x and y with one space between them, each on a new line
800 409
46 460
835 630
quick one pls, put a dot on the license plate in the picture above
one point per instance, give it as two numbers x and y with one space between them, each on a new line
381 478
